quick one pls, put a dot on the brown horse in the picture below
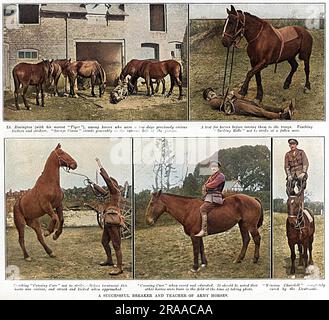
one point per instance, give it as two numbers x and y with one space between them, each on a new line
26 74
60 68
159 70
87 69
238 208
267 45
133 69
300 231
43 198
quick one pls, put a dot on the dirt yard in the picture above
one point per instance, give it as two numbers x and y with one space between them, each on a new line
281 251
135 107
207 63
165 252
78 254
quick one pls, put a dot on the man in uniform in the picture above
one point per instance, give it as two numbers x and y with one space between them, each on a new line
234 105
111 232
212 189
295 166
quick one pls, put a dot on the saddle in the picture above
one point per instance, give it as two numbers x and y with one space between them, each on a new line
308 215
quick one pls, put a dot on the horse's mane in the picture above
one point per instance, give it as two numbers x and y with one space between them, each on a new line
180 196
252 16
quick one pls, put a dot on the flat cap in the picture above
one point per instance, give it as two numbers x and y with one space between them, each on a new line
215 161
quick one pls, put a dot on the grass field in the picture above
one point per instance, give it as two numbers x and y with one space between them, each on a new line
78 254
165 252
135 107
207 63
281 251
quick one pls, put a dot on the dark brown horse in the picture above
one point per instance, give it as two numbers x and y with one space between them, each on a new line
133 69
300 231
238 208
60 68
267 45
87 69
43 198
26 74
159 70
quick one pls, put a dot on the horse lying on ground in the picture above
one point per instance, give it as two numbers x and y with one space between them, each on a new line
26 74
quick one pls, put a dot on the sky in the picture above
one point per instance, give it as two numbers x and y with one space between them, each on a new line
314 149
266 11
187 150
25 160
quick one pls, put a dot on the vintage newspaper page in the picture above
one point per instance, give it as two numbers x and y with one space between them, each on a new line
163 151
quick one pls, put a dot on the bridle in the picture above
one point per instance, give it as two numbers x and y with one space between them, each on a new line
67 167
238 32
300 222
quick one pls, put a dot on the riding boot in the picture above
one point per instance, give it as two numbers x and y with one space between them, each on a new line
107 263
204 226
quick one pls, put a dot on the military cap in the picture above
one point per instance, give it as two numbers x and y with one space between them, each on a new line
293 141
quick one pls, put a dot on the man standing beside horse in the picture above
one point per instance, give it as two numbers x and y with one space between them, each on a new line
296 166
112 220
212 191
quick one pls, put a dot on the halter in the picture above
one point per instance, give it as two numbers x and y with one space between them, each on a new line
67 167
237 32
300 223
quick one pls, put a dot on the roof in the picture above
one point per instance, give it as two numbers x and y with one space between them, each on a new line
64 8
232 184
101 9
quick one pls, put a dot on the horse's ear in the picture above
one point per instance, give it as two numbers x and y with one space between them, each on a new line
51 60
58 146
228 11
159 193
233 11
70 59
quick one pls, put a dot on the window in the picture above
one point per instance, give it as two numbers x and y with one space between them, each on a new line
150 51
27 54
157 17
28 13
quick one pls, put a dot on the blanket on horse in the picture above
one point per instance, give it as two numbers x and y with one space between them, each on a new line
308 215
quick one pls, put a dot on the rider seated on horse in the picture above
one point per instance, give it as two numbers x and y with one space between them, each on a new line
212 190
296 166
111 230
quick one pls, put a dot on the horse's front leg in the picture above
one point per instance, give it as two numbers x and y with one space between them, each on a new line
37 91
42 96
72 82
292 257
204 261
257 68
59 231
54 223
93 80
196 252
305 255
259 96
148 81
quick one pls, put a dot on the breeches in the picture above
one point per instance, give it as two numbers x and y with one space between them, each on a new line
206 207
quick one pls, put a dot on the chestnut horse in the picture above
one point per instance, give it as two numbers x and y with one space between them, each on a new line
60 68
239 208
267 45
43 198
87 69
300 231
133 69
26 74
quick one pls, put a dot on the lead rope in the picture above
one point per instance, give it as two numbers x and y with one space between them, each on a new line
225 92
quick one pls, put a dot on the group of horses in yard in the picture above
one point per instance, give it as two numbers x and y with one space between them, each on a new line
28 74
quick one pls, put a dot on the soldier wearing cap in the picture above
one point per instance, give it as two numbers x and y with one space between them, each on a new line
212 190
296 166
234 105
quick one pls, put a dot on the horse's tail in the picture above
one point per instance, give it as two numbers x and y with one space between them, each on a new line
180 73
261 218
306 44
16 80
101 74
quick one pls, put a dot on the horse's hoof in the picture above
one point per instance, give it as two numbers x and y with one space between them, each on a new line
194 271
52 255
55 236
180 98
28 259
46 233
255 260
286 85
237 261
204 265
75 96
293 276
307 90
258 102
65 95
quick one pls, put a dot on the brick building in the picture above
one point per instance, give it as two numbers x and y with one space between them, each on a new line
112 34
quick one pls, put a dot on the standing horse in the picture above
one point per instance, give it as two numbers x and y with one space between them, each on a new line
26 74
43 198
238 208
300 229
87 69
158 70
267 45
60 68
133 69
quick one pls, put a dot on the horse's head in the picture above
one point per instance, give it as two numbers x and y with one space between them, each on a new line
294 205
155 208
233 28
65 160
